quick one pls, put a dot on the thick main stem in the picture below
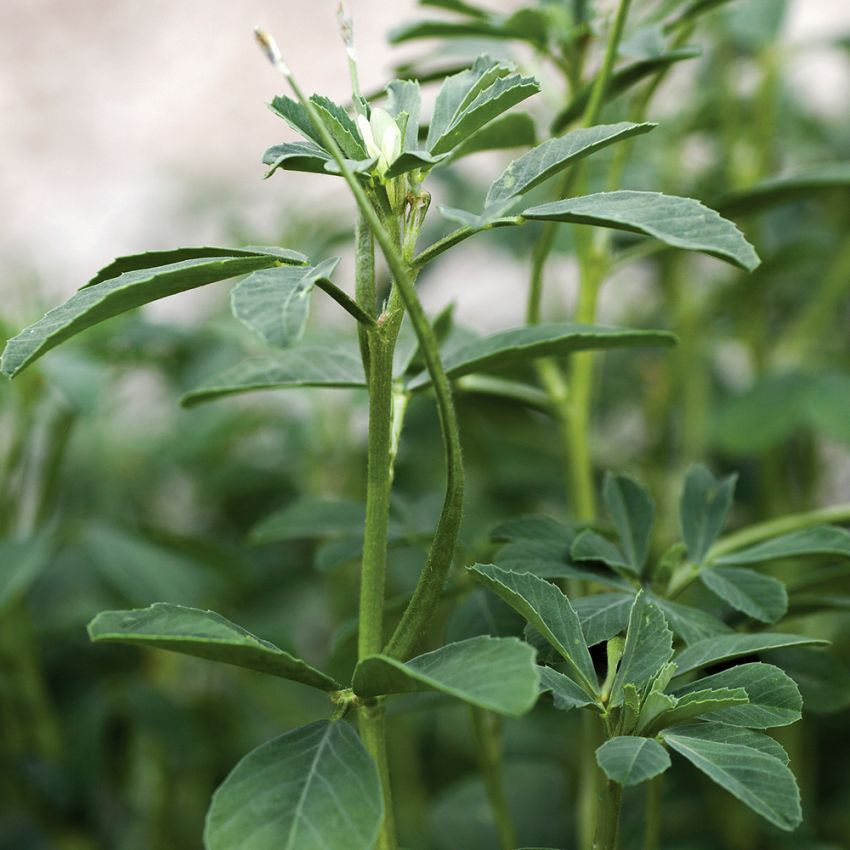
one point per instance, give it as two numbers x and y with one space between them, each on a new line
371 721
608 816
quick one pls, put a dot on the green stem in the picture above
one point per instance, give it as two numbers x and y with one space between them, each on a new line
364 282
371 721
608 817
488 743
652 817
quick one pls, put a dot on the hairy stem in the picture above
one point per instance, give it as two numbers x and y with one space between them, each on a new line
488 743
371 721
608 816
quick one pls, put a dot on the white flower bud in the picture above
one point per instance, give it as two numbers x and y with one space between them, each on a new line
381 137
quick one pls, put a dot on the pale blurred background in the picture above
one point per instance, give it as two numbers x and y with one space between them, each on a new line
129 126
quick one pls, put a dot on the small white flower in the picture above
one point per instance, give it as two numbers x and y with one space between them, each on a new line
381 137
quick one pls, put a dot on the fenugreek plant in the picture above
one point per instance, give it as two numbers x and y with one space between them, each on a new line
324 785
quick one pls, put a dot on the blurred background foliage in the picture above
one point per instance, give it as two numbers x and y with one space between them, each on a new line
112 496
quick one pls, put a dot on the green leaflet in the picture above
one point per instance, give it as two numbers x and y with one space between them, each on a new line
822 540
203 634
497 674
678 222
696 704
703 508
621 80
411 161
789 187
303 366
759 780
296 156
404 96
296 116
649 646
632 511
691 624
774 699
629 760
603 615
761 597
153 259
590 546
94 304
313 788
709 651
341 126
566 694
309 518
553 155
510 348
548 610
511 130
275 303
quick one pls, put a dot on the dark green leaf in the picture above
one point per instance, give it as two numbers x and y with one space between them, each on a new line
566 694
761 597
632 511
553 155
94 304
703 508
297 117
507 349
678 222
204 634
711 650
629 760
498 674
603 615
548 610
774 698
314 788
691 624
411 161
296 156
695 704
341 126
758 780
590 546
303 366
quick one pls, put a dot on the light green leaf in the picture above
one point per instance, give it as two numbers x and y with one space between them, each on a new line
94 304
703 508
632 511
603 615
403 96
709 651
712 731
696 704
303 366
315 788
548 610
774 697
649 646
691 624
296 156
510 348
822 540
341 126
789 187
761 597
757 779
678 222
621 80
310 518
501 95
498 674
154 259
553 155
275 303
203 634
566 694
629 760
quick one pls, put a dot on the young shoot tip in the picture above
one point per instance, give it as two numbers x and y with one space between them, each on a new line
272 52
346 25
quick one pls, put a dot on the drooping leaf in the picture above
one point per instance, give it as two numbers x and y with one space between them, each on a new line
306 518
275 303
501 95
548 610
621 80
203 634
303 366
649 646
778 190
94 304
603 615
689 623
678 222
757 779
498 674
296 156
566 694
759 596
703 508
711 650
553 155
774 698
629 760
313 788
632 510
510 348
822 540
